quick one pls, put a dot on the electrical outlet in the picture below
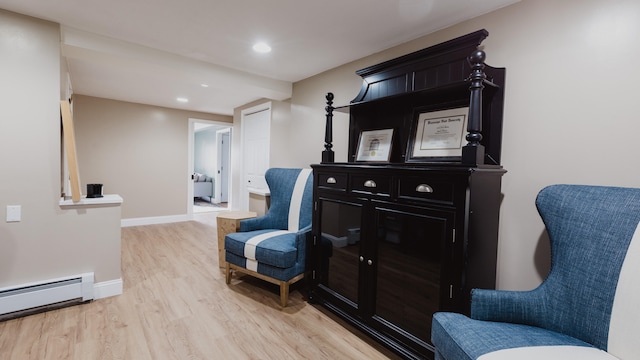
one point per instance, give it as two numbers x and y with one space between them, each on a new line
13 213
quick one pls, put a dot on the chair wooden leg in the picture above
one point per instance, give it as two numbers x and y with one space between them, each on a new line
228 274
284 293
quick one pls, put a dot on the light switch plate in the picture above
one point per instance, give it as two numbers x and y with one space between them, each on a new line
14 213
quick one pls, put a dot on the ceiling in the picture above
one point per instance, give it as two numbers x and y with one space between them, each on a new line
153 52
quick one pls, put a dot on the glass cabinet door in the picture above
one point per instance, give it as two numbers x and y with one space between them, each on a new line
339 248
409 257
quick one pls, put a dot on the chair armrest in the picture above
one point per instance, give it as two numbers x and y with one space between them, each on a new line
301 245
259 223
522 307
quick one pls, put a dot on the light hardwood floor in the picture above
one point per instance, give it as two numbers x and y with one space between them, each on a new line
176 305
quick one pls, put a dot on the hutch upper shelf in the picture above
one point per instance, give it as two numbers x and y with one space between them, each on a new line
450 75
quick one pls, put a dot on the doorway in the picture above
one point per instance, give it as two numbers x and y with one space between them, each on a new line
209 166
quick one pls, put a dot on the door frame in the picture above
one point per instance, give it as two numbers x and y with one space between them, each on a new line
222 171
191 156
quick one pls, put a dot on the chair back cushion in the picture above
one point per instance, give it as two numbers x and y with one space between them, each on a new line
592 290
625 315
291 198
300 188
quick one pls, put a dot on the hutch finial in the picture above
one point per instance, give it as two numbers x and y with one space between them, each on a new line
327 154
473 152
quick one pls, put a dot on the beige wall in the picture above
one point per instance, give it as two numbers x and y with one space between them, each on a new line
139 152
570 109
50 241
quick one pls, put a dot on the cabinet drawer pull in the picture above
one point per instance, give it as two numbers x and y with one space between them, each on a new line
369 262
370 184
361 258
331 180
424 188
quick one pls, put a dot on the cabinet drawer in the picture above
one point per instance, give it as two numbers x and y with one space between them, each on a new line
424 188
371 184
332 181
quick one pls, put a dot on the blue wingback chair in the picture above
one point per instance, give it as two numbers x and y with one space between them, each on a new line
273 247
589 305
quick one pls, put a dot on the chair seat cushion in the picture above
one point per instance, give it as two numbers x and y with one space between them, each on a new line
549 353
272 247
282 274
468 339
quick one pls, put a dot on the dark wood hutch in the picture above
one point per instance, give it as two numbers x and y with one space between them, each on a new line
397 239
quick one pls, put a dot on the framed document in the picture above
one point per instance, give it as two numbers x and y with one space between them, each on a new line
375 145
439 134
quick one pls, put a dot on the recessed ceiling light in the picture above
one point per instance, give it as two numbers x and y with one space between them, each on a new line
204 85
261 47
182 100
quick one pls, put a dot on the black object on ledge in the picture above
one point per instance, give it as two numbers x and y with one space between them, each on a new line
94 191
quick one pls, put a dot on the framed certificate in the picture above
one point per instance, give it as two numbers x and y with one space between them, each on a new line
439 134
375 145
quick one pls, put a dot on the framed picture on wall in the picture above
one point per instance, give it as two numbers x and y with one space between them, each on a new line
438 135
375 145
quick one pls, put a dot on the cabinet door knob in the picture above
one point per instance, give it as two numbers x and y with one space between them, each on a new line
369 262
361 258
370 184
331 180
424 188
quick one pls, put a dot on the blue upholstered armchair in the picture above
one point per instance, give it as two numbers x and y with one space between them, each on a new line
589 305
273 247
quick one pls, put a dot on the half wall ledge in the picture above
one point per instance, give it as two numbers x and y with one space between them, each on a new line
112 199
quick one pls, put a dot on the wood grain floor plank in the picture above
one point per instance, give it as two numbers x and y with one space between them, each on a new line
176 305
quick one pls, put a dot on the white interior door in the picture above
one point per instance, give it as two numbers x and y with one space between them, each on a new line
256 126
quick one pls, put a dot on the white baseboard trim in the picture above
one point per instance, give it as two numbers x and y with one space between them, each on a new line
107 289
155 220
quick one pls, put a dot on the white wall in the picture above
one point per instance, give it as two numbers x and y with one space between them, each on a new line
49 241
570 114
570 110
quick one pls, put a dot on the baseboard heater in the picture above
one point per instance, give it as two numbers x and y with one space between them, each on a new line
40 296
